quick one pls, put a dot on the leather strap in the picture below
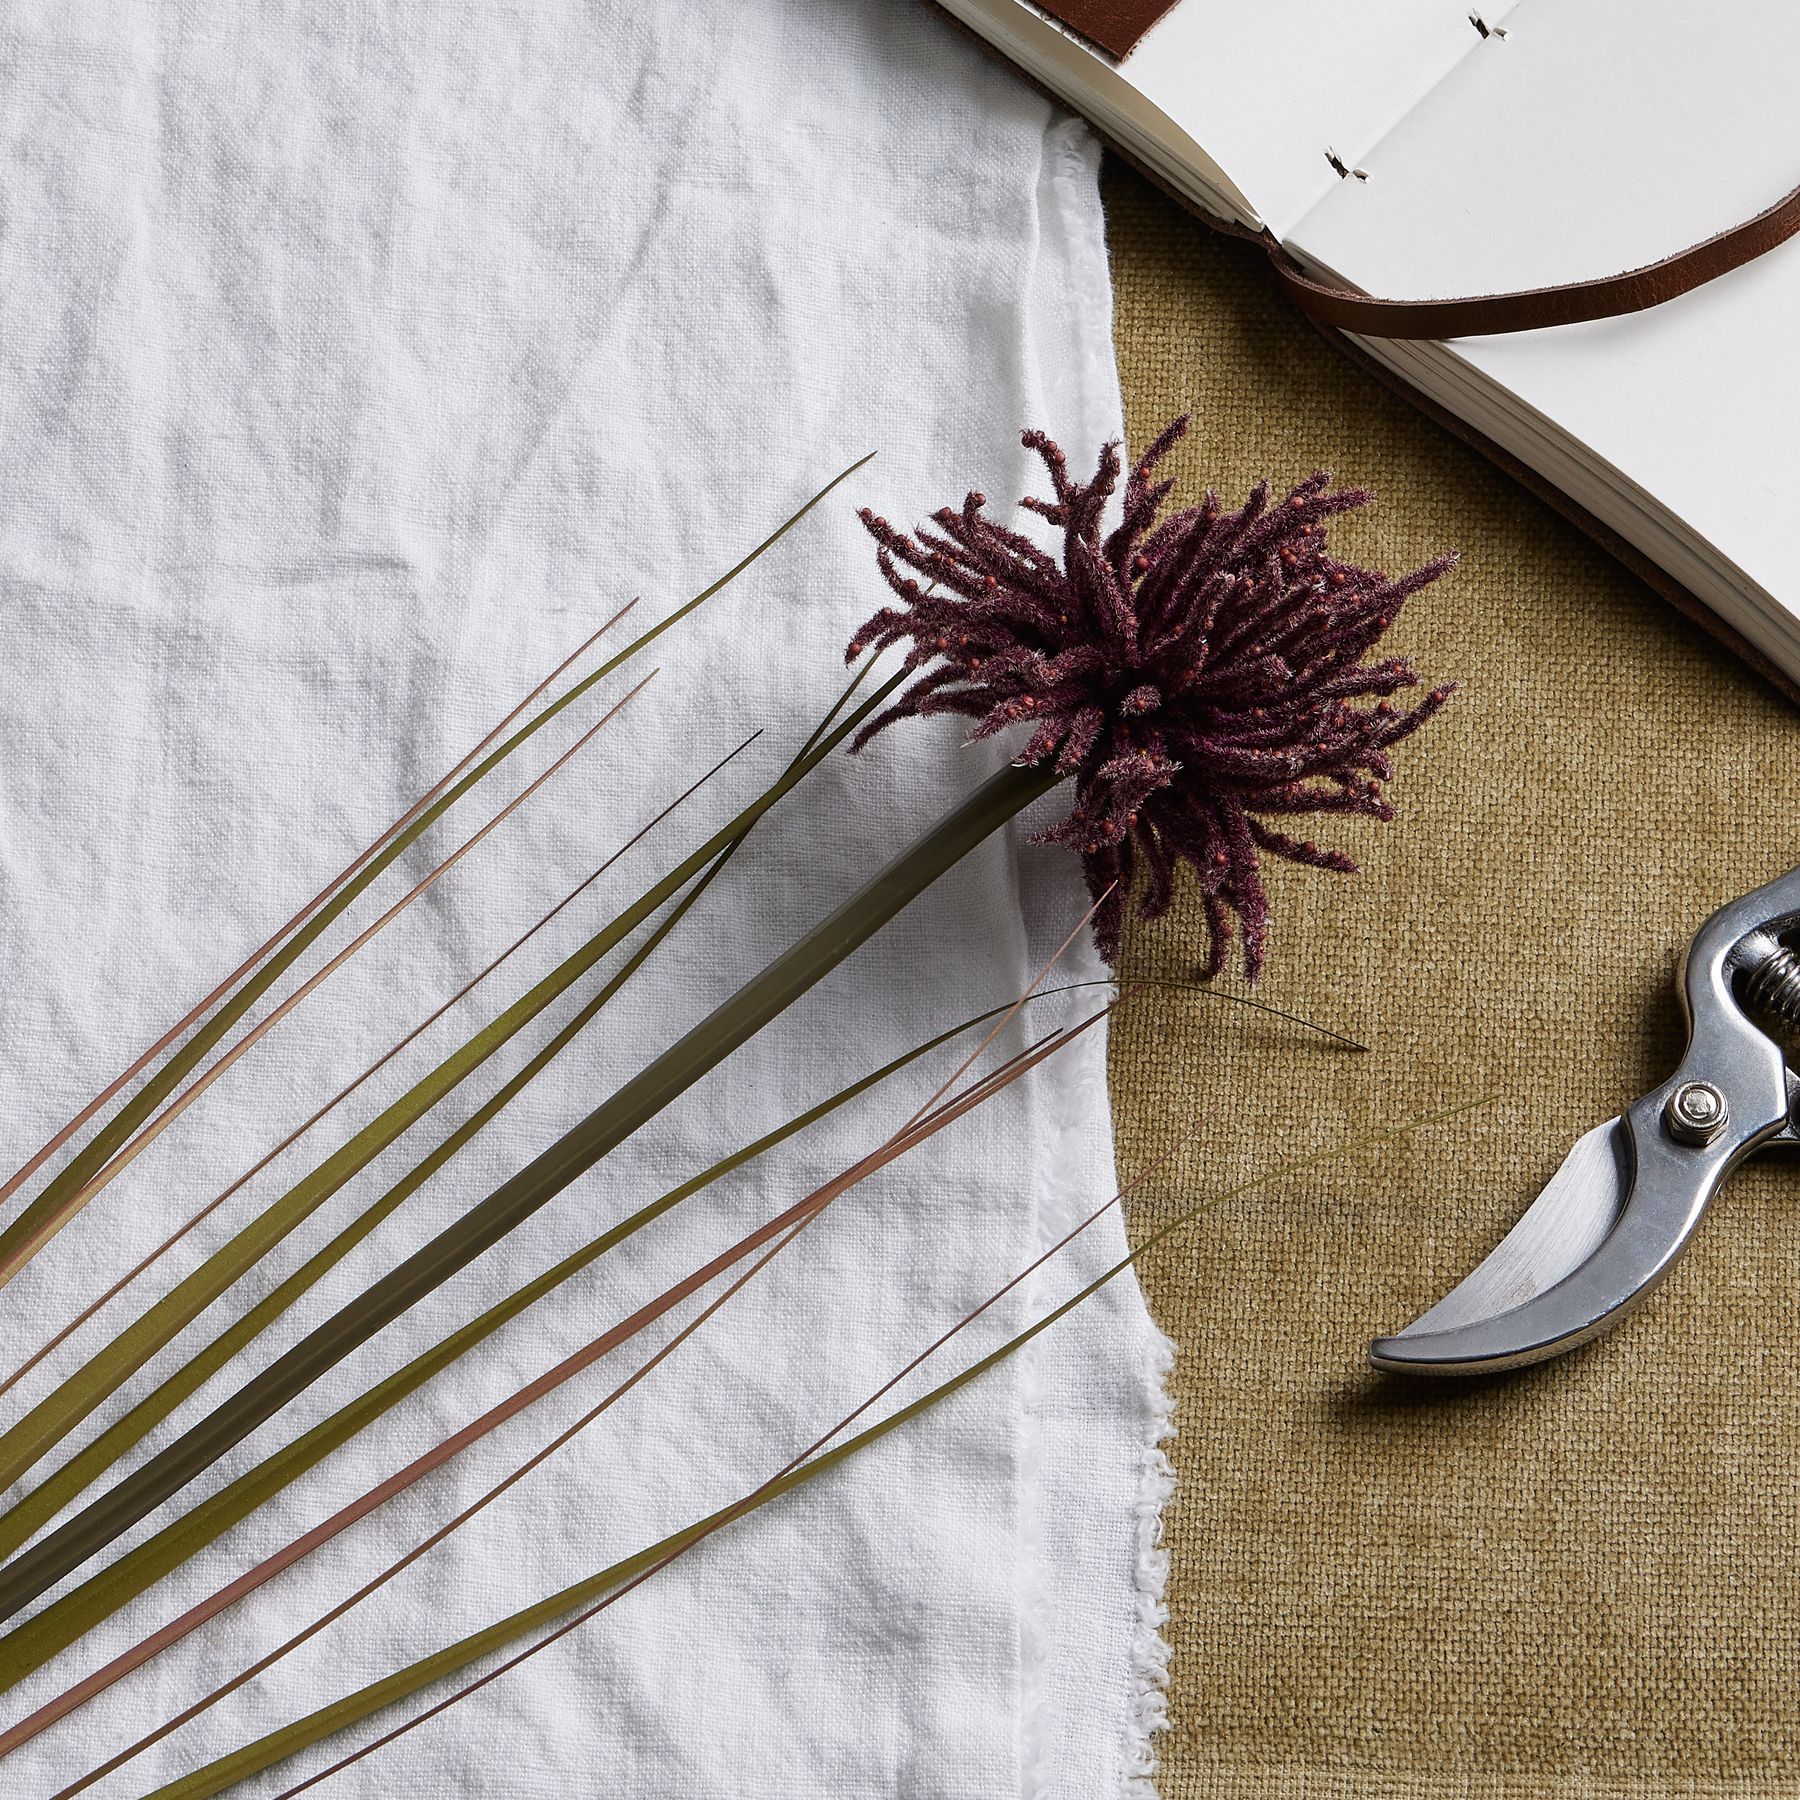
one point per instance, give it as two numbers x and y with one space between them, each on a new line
1347 309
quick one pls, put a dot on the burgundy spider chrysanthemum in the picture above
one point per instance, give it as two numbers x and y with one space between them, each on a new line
1198 677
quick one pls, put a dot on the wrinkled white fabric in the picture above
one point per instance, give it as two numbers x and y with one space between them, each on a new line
354 362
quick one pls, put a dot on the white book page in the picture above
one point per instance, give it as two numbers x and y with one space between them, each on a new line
1600 135
1269 86
1090 82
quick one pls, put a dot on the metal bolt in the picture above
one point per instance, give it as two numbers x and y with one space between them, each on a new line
1696 1113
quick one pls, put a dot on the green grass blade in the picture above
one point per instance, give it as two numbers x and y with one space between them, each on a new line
67 1405
43 1503
594 1590
240 1047
60 1139
68 1618
39 1220
46 1500
763 998
279 1149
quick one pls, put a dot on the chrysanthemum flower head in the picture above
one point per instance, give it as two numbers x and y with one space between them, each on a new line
1199 674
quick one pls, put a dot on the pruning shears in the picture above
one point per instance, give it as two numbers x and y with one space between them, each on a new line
1629 1196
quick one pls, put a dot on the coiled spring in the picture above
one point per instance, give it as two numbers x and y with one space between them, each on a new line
1774 986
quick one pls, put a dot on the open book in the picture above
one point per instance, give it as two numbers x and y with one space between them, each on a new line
1411 148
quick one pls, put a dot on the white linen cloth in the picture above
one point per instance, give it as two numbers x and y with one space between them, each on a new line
355 361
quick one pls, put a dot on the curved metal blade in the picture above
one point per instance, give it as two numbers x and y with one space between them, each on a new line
1559 1231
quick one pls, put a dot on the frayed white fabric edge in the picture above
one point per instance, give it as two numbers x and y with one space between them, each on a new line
1067 185
1149 1647
1139 1687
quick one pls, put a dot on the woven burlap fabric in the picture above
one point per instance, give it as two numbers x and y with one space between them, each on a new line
1582 1580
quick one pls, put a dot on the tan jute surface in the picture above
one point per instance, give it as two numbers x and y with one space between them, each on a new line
1583 1581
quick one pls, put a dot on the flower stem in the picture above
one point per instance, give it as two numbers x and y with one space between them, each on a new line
761 1000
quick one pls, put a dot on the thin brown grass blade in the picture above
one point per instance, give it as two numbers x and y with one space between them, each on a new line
201 1007
103 1678
387 1056
1206 991
154 1127
914 1131
780 1231
613 1583
717 1523
1000 1024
